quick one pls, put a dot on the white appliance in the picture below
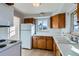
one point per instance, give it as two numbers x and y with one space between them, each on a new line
27 31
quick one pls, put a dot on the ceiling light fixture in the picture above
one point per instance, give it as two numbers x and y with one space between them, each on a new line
36 4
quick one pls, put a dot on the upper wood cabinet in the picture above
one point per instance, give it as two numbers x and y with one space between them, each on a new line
57 21
78 11
29 20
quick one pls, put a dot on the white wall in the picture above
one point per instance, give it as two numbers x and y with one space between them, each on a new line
19 14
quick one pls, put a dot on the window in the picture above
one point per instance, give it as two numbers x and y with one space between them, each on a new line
75 24
15 29
12 31
42 24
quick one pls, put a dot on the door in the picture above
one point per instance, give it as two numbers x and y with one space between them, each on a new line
34 44
61 20
49 43
41 43
55 21
78 11
26 39
29 20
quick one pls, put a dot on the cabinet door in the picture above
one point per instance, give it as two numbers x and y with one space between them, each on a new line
62 20
29 20
34 42
58 21
49 43
51 22
41 43
54 50
55 21
78 11
6 15
58 53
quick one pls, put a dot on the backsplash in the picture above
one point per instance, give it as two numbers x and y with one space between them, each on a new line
51 32
4 33
55 31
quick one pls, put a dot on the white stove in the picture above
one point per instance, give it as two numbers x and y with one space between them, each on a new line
10 47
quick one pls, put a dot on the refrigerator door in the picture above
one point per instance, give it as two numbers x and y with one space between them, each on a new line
26 26
26 39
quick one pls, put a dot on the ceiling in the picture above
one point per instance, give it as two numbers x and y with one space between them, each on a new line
45 8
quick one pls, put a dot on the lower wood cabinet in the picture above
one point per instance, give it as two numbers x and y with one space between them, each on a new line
34 42
49 43
56 50
42 42
46 42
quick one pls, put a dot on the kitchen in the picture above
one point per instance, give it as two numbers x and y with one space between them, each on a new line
45 29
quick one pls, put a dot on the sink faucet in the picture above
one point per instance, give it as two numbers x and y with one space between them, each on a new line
74 39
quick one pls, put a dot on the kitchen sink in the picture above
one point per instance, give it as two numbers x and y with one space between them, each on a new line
66 40
2 45
13 42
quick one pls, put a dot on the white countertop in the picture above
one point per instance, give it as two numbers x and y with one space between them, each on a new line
66 47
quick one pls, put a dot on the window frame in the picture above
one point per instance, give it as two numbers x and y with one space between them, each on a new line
42 26
72 22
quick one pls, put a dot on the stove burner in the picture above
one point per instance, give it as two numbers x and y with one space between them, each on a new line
2 40
3 45
13 42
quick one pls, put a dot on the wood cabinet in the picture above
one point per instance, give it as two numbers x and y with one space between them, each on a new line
49 43
42 42
57 21
78 11
56 50
29 20
34 42
46 42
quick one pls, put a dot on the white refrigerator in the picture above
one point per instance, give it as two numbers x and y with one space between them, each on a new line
27 31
